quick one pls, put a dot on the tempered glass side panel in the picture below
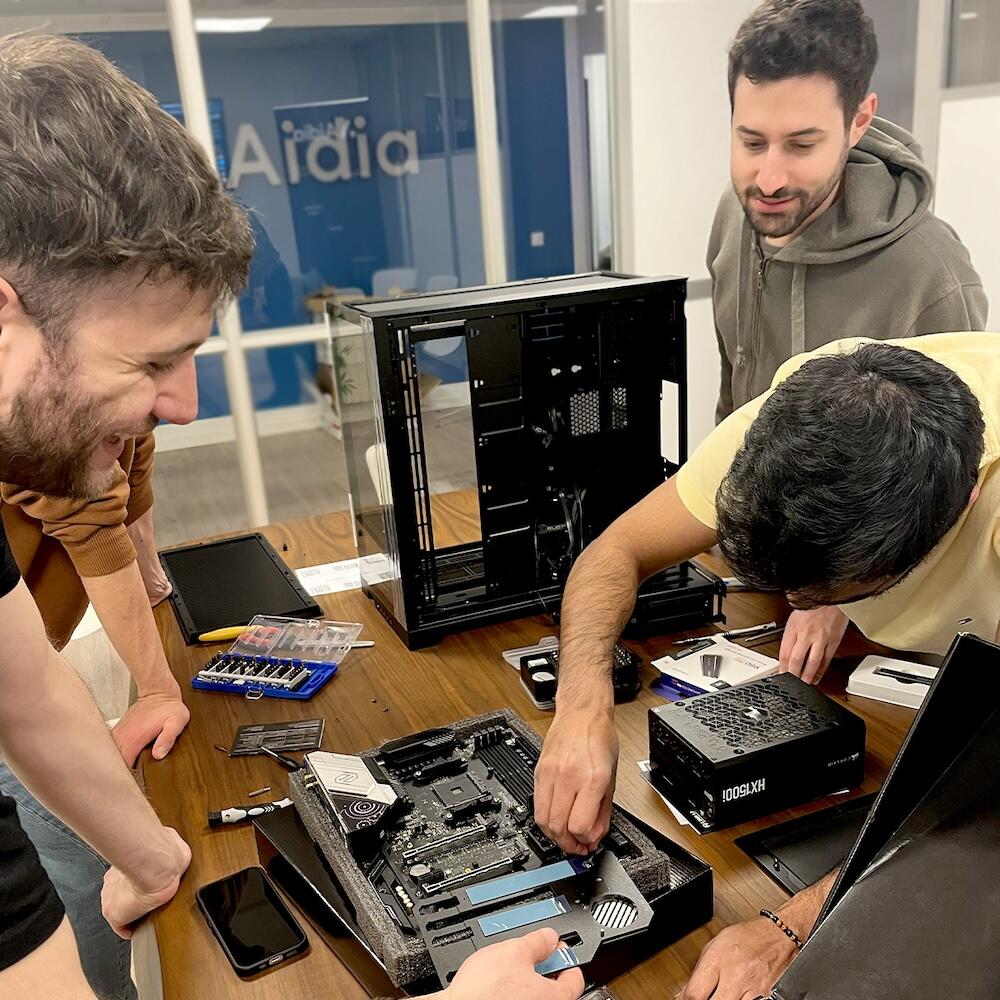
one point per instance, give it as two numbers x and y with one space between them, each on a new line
368 468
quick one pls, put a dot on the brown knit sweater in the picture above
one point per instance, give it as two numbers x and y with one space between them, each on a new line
57 541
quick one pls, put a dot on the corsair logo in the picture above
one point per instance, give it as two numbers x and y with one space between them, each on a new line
742 791
850 758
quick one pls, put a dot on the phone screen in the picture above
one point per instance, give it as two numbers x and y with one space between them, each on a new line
250 918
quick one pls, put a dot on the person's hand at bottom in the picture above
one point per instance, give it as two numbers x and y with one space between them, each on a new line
506 971
742 962
157 718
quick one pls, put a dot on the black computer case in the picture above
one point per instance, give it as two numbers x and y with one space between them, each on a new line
565 379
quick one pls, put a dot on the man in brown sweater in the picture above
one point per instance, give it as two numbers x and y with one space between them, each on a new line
101 551
73 552
117 246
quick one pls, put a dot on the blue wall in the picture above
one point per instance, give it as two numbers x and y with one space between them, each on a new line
536 145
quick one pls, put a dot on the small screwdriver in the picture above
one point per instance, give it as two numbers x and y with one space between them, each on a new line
287 762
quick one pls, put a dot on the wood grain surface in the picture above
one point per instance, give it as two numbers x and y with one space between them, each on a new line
386 691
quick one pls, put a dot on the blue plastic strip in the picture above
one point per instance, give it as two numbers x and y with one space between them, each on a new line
520 882
561 959
521 916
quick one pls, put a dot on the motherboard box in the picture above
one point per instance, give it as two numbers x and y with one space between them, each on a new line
452 860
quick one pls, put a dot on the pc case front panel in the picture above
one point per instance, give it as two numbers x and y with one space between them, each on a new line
371 491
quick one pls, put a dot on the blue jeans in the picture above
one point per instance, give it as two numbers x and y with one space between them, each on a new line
77 872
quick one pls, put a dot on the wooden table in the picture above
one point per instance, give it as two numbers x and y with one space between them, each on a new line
387 691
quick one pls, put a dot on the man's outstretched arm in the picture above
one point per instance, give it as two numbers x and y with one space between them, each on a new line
575 777
159 714
501 972
56 742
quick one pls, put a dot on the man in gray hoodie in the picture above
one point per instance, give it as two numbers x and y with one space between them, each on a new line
827 230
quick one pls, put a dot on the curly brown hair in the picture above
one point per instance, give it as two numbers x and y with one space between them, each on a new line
97 181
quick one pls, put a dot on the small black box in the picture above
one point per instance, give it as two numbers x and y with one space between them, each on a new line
733 755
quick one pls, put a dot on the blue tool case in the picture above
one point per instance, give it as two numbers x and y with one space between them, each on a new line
279 658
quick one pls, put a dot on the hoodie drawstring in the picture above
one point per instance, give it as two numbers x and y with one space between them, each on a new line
798 309
738 360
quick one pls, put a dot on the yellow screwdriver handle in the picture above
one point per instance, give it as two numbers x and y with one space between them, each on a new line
223 634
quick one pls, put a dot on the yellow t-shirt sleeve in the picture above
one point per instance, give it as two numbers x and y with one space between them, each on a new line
698 480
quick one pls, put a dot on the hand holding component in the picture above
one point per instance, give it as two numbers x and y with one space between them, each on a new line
506 971
575 780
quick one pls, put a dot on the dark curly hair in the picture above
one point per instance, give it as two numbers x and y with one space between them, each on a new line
855 468
785 38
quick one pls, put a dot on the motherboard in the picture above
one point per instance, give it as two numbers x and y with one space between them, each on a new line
440 827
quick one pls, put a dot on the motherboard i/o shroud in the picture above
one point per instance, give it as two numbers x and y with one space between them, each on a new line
457 862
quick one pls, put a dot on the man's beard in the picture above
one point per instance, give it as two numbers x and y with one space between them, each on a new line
53 430
774 225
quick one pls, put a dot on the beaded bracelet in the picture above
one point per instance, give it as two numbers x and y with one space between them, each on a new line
782 926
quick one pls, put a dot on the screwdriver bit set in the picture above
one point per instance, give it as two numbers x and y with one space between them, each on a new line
263 661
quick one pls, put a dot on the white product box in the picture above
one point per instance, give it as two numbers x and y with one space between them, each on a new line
865 683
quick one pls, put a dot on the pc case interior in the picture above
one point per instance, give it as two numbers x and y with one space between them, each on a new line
564 380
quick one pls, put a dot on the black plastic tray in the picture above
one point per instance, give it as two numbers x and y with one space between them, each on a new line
225 583
800 851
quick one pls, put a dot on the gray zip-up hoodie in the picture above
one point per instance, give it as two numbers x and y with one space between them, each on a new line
878 263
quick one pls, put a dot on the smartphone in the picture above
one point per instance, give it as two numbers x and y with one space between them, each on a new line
251 921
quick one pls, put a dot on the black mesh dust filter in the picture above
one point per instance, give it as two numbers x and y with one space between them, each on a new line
223 584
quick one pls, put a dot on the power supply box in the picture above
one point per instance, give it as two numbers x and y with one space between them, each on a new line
752 749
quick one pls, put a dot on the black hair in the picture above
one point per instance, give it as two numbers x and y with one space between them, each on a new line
855 468
785 38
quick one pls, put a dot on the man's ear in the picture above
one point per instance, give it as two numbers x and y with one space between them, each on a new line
10 301
863 118
973 496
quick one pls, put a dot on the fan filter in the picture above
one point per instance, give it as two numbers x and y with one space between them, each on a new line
615 912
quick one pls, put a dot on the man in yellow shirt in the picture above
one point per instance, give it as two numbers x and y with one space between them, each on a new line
864 484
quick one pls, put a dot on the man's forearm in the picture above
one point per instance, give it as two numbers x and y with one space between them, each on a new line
51 970
658 531
57 743
802 910
122 605
598 600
